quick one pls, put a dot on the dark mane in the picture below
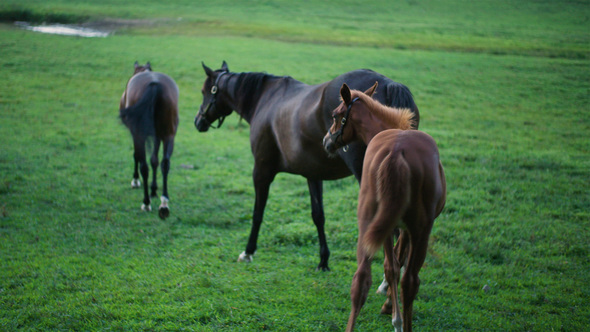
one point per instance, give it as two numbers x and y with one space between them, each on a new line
399 95
250 87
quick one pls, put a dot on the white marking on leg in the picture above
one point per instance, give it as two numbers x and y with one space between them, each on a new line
383 287
146 208
244 257
164 201
135 183
397 324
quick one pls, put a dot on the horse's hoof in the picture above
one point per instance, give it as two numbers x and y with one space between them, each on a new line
135 183
244 257
163 213
323 268
146 208
383 287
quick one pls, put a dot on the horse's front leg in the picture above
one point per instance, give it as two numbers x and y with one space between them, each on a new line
164 210
392 272
317 214
263 177
382 289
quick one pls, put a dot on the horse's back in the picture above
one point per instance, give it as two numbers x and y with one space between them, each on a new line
288 128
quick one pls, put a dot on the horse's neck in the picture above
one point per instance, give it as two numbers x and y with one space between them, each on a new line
374 122
245 90
369 127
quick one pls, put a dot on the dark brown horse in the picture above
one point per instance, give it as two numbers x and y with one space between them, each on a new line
149 108
403 187
287 122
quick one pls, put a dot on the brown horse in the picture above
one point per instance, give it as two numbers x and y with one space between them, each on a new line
287 122
403 186
149 108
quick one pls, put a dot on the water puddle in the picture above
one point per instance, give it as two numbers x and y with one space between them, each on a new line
63 29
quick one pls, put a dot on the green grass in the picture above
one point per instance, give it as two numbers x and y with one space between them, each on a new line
502 87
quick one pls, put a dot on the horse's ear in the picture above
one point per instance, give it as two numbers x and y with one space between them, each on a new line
148 66
208 70
372 89
345 94
224 66
136 64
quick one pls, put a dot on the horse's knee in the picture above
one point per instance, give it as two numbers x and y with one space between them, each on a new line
143 168
361 282
165 165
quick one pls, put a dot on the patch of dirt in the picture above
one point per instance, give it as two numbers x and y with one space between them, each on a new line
113 24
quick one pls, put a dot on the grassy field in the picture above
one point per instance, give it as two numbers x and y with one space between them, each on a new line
502 86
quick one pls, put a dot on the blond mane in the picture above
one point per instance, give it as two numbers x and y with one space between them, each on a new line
397 118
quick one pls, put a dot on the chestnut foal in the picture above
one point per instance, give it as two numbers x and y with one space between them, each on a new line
402 187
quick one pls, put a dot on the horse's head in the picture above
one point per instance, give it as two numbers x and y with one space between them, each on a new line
139 69
340 135
213 108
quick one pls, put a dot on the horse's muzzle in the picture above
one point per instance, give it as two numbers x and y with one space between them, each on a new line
201 124
329 145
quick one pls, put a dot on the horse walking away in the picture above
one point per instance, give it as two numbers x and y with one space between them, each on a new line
403 187
287 122
149 108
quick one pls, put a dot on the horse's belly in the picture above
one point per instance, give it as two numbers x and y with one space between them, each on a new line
317 168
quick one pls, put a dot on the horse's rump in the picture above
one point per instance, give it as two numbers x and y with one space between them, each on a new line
139 117
391 179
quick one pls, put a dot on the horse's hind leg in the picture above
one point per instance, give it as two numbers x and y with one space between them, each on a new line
416 255
361 283
154 162
139 155
164 210
135 182
317 214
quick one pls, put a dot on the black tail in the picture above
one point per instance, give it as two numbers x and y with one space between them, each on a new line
399 96
139 118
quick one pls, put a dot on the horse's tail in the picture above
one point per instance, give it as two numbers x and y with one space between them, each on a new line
400 96
393 197
140 117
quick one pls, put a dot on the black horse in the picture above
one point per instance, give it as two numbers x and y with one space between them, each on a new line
288 120
149 108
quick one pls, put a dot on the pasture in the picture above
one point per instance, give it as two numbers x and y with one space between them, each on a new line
503 88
